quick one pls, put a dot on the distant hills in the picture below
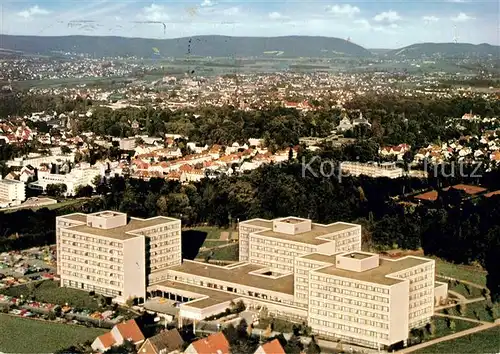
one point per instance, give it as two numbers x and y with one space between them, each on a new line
213 46
226 46
446 50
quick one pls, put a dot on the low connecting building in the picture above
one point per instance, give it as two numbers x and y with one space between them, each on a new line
113 255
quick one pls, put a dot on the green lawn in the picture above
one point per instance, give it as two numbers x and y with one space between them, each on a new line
211 243
461 272
229 253
49 291
212 232
21 335
481 342
470 292
442 329
477 310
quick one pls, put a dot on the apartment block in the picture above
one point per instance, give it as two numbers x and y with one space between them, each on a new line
12 192
386 169
275 243
114 255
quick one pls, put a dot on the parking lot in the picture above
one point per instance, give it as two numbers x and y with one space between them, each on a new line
18 268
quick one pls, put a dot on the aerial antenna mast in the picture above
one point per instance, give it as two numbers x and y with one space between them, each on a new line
455 34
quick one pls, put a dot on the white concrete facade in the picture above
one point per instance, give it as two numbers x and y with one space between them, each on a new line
111 255
12 192
388 170
275 243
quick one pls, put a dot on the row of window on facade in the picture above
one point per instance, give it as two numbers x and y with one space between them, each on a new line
93 263
93 278
291 245
97 240
356 294
354 319
92 270
350 301
346 328
353 310
350 284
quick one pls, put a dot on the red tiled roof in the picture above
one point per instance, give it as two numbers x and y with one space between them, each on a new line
273 347
467 188
213 344
130 331
431 196
490 194
107 340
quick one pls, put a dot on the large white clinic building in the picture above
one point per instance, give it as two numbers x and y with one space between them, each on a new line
300 271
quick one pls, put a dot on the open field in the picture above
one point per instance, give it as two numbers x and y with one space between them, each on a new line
50 292
214 243
212 232
482 311
481 342
20 335
470 292
462 272
229 253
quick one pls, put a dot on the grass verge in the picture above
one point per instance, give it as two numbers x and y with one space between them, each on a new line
21 335
481 342
50 292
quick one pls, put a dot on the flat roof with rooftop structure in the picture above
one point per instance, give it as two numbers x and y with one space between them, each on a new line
292 220
11 181
258 223
312 237
126 232
320 257
358 255
237 275
378 274
76 217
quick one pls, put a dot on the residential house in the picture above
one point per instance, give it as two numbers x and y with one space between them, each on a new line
213 344
272 347
397 151
126 331
165 342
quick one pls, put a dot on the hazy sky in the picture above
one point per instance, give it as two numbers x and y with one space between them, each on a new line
370 23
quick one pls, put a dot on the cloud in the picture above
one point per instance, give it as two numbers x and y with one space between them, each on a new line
462 17
343 10
367 26
154 13
207 3
231 11
387 16
33 11
457 1
276 16
430 18
363 23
